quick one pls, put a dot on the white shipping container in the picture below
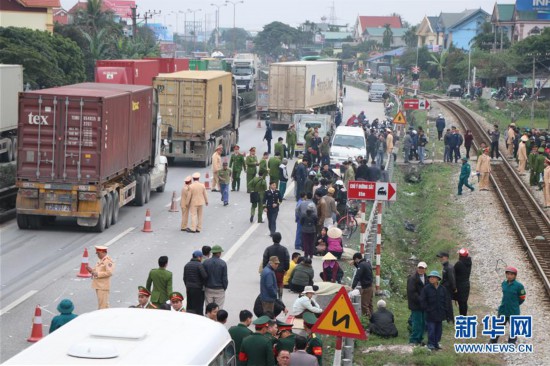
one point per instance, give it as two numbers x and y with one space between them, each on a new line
11 83
301 85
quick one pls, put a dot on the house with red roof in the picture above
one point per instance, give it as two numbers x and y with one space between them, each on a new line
60 16
121 9
363 22
33 14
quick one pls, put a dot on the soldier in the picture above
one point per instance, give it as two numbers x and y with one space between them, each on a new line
464 176
510 136
286 338
314 344
547 183
216 167
251 167
256 349
183 204
291 140
533 178
236 163
161 279
196 199
280 148
389 143
101 276
225 178
325 151
483 168
257 187
264 168
272 200
522 154
240 331
143 299
539 167
176 300
273 164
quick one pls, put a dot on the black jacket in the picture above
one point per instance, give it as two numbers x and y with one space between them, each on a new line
440 123
280 252
374 173
259 310
462 272
448 278
194 274
362 172
363 275
371 142
434 303
382 323
271 198
414 288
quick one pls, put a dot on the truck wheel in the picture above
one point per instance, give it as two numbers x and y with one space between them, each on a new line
34 222
163 186
139 200
101 221
116 208
108 211
22 221
147 191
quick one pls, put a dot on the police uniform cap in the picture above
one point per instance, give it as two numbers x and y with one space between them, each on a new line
464 158
216 249
309 319
283 326
143 291
196 175
188 179
261 321
219 147
100 248
176 296
524 138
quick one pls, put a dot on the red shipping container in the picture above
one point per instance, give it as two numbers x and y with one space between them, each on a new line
84 133
135 72
170 64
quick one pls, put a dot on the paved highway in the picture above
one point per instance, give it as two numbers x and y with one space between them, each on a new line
40 267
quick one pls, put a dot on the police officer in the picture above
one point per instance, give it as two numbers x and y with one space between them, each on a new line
176 300
314 344
240 331
251 162
101 276
256 349
236 163
273 166
143 299
183 204
280 148
257 187
513 295
291 140
286 338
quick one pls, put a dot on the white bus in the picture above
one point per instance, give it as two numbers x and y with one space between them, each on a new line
131 336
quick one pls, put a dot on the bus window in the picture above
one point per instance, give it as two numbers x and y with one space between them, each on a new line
226 357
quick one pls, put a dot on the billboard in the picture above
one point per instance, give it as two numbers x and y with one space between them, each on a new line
533 5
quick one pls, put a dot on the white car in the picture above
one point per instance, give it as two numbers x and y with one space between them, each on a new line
347 142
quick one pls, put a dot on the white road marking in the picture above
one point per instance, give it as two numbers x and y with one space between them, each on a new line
17 302
6 227
289 190
170 204
240 242
119 236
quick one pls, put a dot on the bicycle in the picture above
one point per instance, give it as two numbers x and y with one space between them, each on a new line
348 223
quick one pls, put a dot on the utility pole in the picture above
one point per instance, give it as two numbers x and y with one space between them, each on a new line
533 95
217 35
194 11
234 3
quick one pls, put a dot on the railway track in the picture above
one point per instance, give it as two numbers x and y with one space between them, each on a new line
528 218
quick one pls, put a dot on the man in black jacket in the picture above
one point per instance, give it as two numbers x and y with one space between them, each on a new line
448 282
382 322
434 299
415 284
279 251
272 200
440 126
194 278
371 145
364 277
462 274
363 172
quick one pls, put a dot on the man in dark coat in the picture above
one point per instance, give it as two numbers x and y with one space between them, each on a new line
415 284
448 281
241 331
256 349
301 176
272 200
194 278
278 308
363 276
371 145
281 252
382 322
268 136
462 274
433 299
363 172
161 279
440 126
268 285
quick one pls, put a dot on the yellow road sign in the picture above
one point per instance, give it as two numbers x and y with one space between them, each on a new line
400 92
399 118
339 319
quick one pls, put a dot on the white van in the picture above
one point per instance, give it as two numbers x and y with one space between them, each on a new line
375 92
305 121
347 142
127 336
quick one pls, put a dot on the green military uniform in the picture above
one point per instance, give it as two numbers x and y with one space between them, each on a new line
279 148
539 166
161 279
251 169
236 163
513 295
285 344
533 179
274 175
143 291
263 168
256 349
307 137
325 152
291 142
349 175
465 171
224 176
314 344
238 333
257 184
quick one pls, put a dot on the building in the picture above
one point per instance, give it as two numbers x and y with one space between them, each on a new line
520 20
363 22
502 20
60 16
427 36
121 9
33 14
336 39
377 34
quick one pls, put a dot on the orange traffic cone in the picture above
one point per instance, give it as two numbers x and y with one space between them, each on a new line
36 333
207 181
174 206
147 224
83 271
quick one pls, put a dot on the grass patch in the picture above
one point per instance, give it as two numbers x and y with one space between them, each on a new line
507 112
437 228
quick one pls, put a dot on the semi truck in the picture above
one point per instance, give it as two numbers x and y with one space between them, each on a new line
11 77
137 72
85 151
262 95
245 68
200 110
300 87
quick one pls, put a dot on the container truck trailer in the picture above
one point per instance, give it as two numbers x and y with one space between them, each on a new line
135 72
300 87
200 110
11 83
85 151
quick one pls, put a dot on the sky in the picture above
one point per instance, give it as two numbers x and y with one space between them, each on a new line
254 14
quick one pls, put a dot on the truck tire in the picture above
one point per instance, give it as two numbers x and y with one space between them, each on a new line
101 221
147 191
161 188
116 208
22 221
139 200
109 211
34 222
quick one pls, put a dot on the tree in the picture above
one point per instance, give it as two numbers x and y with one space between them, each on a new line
234 39
387 37
534 46
438 60
410 38
486 40
275 39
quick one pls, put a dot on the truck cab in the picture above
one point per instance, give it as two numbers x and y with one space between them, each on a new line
244 72
304 122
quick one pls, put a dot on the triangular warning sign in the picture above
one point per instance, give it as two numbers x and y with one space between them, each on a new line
399 118
339 318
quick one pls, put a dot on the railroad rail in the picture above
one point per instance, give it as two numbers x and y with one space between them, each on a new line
528 218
